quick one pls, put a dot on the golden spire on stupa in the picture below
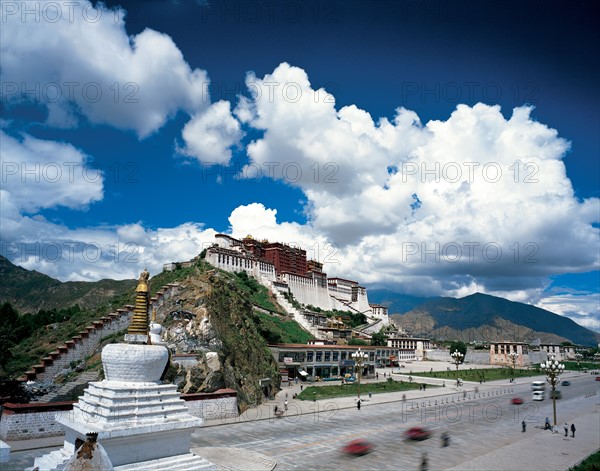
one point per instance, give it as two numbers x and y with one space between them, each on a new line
138 327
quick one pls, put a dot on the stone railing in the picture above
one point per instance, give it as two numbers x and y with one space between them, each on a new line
87 341
26 421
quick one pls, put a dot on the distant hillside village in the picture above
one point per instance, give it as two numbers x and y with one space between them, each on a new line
310 297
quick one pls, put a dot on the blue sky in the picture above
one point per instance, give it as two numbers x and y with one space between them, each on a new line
433 148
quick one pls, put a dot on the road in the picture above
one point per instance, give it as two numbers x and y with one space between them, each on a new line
476 427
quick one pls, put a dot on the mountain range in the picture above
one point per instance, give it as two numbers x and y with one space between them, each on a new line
475 317
30 291
481 317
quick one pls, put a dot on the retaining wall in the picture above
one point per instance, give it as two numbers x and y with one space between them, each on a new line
39 420
87 341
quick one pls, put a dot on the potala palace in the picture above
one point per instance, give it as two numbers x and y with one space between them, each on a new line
286 271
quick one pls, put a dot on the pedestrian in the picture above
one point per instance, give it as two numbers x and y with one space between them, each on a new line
286 395
566 429
547 425
285 405
376 375
464 394
275 409
523 427
301 387
424 462
370 395
445 439
296 379
384 374
424 386
358 404
573 430
403 397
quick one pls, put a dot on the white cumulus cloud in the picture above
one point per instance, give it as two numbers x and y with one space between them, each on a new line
209 136
75 57
475 202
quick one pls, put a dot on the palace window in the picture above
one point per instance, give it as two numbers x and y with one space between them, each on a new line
319 356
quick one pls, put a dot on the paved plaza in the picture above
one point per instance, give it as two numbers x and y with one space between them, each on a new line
484 427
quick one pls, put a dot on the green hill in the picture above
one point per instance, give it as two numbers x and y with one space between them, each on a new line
29 291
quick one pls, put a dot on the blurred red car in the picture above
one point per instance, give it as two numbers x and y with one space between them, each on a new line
597 378
417 433
516 400
358 447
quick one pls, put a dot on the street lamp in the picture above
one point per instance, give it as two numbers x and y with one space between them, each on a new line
359 357
552 369
512 356
458 358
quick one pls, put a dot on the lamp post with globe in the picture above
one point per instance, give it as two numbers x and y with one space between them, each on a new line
552 369
457 357
359 357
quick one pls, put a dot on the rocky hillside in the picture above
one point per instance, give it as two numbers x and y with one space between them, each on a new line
212 315
30 291
484 317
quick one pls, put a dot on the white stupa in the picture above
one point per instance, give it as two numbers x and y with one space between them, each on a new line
141 423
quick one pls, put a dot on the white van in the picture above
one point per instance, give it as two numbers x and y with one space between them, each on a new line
538 385
537 396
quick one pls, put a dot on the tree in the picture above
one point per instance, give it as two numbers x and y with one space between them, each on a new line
357 342
9 331
379 338
460 347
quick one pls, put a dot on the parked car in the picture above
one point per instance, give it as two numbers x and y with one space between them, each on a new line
417 433
358 447
597 378
517 400
566 383
555 394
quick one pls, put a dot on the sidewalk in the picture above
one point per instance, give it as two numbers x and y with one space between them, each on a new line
542 450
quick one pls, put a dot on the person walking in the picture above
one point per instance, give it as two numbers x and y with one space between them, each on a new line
424 463
285 405
358 404
523 427
573 430
566 429
547 425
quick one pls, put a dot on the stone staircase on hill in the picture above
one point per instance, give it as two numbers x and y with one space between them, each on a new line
372 327
82 345
64 392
